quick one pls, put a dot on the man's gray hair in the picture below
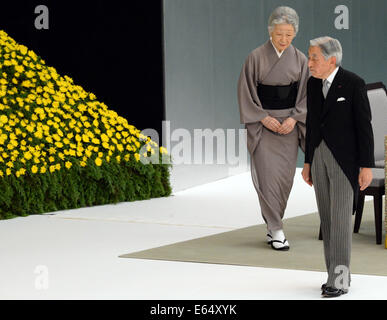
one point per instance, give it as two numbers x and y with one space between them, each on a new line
330 47
283 15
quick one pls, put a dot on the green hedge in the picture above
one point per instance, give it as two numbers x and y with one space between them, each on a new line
82 187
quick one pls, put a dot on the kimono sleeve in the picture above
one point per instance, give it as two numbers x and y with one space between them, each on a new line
299 112
250 107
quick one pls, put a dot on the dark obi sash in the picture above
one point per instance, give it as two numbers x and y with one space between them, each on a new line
278 97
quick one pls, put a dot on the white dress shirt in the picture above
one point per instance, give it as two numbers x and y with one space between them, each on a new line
331 77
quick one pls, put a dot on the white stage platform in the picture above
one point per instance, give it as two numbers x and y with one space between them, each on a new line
74 254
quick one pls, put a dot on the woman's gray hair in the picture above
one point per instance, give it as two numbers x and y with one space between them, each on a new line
330 47
283 15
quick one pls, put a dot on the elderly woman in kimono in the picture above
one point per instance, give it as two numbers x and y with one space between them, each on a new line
272 104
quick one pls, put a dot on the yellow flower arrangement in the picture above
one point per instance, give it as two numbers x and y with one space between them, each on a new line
49 112
49 125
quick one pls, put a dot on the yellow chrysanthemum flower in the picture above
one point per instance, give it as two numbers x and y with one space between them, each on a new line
3 119
98 161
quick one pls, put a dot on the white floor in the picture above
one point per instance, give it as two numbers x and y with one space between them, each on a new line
74 254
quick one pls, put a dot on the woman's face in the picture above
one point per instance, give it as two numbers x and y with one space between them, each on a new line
282 36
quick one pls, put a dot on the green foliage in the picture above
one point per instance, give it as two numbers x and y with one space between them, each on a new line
82 186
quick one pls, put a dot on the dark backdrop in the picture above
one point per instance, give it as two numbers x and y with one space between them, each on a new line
110 48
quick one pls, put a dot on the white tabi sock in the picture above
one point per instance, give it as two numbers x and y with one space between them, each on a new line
278 235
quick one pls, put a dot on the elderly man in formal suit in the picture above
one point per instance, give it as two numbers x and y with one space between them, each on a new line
339 152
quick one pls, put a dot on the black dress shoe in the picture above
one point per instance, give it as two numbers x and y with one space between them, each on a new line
331 292
323 287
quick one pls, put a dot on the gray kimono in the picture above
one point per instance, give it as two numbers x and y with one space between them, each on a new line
273 156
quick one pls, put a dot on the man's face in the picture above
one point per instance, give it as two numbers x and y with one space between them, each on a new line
282 36
318 66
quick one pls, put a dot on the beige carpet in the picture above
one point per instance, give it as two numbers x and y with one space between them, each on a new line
247 247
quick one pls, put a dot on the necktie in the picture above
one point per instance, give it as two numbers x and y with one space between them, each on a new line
325 88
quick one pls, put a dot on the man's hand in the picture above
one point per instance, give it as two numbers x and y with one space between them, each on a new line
271 123
306 175
365 178
287 126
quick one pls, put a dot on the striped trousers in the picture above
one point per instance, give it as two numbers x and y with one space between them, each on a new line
334 195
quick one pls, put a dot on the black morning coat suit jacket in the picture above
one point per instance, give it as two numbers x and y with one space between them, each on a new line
344 124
